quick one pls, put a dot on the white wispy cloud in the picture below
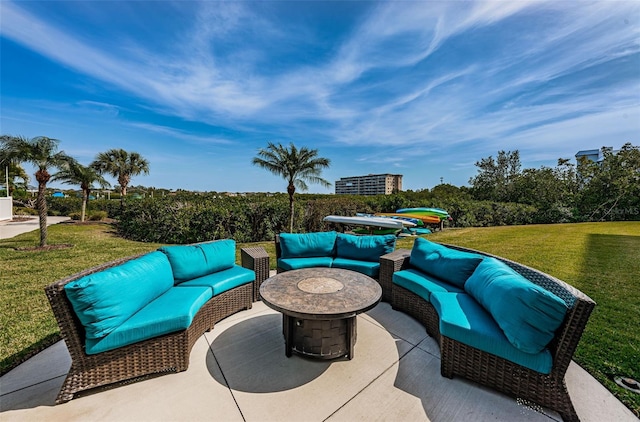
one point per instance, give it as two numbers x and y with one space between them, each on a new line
385 84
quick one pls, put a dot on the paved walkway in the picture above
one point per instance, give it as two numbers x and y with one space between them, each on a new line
9 229
239 372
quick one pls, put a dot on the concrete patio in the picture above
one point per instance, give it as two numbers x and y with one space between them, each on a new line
239 372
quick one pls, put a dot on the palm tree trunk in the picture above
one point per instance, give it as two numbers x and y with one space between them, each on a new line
291 209
41 204
123 193
85 198
291 190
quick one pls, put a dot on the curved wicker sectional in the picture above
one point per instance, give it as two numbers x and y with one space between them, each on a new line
548 390
163 354
170 353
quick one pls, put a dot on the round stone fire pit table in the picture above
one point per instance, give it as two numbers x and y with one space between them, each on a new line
319 308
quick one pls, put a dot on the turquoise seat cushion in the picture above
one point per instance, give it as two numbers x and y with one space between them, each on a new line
422 284
307 245
364 248
193 261
447 264
528 314
104 300
298 263
172 311
224 280
372 269
466 321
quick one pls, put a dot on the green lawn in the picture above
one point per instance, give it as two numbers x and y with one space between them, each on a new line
601 259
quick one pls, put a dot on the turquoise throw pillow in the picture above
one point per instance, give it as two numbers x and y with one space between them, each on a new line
219 255
307 245
439 261
104 300
364 248
193 261
528 314
187 261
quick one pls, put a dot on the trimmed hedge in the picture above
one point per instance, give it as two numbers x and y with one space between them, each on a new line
193 218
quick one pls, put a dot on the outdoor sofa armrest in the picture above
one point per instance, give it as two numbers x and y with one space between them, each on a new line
256 258
390 263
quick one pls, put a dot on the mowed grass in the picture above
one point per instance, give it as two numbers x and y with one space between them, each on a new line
600 259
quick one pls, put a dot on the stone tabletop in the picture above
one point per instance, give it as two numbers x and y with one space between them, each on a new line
321 293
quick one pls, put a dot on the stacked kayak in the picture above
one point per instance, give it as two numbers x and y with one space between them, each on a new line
424 219
428 215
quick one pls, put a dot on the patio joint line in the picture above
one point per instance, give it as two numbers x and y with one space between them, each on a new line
393 334
225 380
32 385
371 382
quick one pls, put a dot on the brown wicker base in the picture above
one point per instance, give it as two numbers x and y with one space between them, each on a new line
321 339
517 381
257 259
412 304
390 263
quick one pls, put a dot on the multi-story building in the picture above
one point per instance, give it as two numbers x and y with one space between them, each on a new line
372 184
594 155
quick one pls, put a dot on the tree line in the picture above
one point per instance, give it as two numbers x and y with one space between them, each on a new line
607 189
43 153
501 193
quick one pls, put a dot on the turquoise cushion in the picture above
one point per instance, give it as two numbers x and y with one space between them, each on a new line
364 248
193 261
224 280
104 300
187 261
464 320
447 264
372 269
298 263
307 245
219 255
528 314
422 284
172 311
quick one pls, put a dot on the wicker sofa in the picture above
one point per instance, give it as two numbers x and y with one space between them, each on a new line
141 315
478 307
333 250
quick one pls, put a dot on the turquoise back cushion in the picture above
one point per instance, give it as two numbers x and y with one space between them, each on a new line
452 266
187 261
104 300
193 261
364 248
219 255
527 314
307 245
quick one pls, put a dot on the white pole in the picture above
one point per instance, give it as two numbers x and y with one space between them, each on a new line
7 185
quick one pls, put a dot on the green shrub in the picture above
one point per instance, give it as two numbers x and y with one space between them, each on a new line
24 211
75 216
97 215
190 217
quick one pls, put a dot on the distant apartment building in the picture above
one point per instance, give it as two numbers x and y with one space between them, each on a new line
594 155
372 184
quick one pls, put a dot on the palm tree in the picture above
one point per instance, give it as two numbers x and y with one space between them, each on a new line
74 173
43 153
296 166
122 165
11 169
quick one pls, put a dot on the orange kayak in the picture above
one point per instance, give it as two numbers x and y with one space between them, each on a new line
426 219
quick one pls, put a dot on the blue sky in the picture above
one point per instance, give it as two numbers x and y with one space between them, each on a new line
422 89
